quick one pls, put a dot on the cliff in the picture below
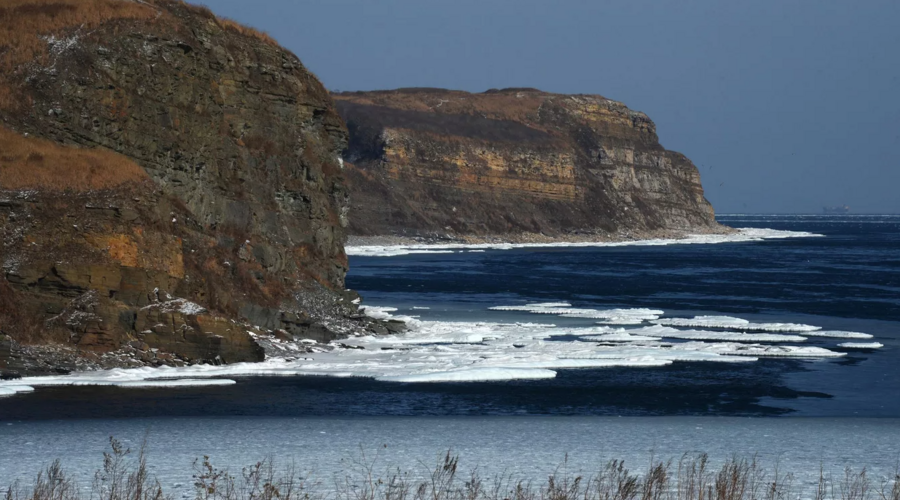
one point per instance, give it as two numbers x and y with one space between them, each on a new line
168 180
512 161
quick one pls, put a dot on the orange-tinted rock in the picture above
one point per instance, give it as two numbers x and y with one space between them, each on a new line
201 161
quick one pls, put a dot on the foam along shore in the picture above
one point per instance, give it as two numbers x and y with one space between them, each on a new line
447 351
740 235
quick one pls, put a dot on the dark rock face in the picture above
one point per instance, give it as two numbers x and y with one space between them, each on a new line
235 128
512 161
244 211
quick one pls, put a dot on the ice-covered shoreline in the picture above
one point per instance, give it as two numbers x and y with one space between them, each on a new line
740 235
481 351
460 351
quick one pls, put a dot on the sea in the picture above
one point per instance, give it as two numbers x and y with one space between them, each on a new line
520 359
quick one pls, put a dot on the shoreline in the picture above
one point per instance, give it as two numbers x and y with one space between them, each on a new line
531 238
280 351
502 350
394 245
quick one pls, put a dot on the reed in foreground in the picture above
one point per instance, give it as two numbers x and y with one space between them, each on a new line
125 476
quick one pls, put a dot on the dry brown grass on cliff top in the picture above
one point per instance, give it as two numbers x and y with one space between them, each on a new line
30 163
520 106
26 25
228 24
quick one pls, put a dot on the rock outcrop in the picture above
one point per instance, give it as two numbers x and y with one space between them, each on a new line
512 161
166 179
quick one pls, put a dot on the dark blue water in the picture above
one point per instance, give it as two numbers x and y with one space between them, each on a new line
854 272
847 280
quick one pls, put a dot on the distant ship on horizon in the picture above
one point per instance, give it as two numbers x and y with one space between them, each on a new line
843 209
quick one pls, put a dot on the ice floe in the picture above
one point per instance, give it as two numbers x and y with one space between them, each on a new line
621 320
731 323
467 351
740 236
759 350
620 337
11 389
837 334
632 316
861 345
673 333
475 375
431 351
120 377
176 383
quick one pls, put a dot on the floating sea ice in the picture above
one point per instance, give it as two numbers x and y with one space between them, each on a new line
419 355
474 375
620 337
436 351
731 323
672 333
538 306
861 345
661 351
564 309
9 390
118 377
622 316
622 320
838 334
591 361
176 383
462 336
757 350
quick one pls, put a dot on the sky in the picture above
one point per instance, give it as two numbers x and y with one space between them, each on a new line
785 106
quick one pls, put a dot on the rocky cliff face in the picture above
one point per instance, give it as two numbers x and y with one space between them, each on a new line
512 161
224 203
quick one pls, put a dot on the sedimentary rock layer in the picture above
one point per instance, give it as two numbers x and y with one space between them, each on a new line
223 189
512 161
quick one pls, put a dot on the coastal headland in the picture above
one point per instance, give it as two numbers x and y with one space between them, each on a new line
176 188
